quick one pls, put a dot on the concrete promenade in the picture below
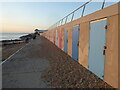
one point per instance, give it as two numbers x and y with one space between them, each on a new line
24 69
40 64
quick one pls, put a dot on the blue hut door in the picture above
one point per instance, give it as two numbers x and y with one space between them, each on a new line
66 40
75 42
56 38
97 47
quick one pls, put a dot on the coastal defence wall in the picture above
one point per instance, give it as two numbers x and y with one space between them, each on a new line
110 14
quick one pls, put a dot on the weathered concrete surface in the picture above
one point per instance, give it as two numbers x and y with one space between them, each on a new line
111 64
25 68
84 43
70 41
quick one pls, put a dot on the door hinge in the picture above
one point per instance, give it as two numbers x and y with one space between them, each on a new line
67 40
104 52
78 43
106 27
103 76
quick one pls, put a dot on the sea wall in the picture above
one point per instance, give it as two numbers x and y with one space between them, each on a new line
58 36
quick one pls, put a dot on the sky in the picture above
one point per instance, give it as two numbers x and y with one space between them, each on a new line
25 17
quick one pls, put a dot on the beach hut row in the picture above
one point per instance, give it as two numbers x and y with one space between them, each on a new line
92 41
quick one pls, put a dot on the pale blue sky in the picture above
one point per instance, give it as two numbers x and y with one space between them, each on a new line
26 16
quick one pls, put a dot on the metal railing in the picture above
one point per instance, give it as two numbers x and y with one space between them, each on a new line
60 22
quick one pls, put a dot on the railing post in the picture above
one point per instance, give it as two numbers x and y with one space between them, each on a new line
61 21
103 4
56 24
66 19
83 11
72 16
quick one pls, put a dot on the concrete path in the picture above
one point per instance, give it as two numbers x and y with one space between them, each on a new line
24 69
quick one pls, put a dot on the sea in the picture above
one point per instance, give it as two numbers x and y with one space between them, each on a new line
11 36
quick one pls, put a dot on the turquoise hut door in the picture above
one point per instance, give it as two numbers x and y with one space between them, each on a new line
75 42
97 47
66 40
